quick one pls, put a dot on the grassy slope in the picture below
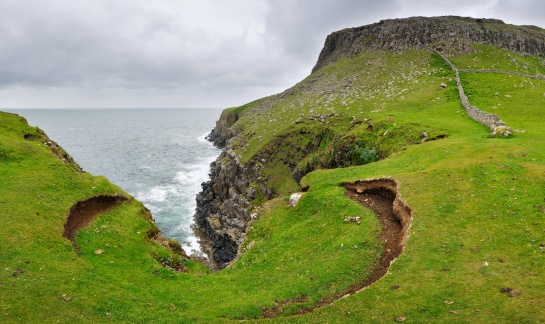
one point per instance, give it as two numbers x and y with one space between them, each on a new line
474 200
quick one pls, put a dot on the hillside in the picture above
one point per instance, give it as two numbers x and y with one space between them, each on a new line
384 126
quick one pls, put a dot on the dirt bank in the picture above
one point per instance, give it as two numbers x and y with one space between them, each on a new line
382 197
83 212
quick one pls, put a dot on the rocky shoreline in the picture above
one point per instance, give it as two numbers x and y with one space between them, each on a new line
222 214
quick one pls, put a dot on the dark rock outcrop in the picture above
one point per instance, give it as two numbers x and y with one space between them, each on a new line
222 132
222 213
446 34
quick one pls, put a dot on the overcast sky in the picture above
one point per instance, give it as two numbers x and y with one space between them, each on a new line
188 53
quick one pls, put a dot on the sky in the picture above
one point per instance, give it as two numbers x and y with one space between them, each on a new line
188 53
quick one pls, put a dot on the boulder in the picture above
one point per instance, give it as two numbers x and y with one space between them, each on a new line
294 198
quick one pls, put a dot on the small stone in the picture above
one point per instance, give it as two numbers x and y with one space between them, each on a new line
401 319
453 311
359 190
17 272
294 198
355 219
505 289
514 293
99 251
443 85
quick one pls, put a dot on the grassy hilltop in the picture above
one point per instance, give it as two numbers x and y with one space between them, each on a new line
477 201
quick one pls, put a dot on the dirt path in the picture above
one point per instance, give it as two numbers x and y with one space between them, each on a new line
382 197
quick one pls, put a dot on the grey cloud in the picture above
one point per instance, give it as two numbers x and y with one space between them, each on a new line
183 52
109 47
300 26
521 12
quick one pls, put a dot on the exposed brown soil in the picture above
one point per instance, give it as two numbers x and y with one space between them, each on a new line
83 212
382 197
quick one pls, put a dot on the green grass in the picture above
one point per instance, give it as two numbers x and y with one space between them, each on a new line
489 57
474 199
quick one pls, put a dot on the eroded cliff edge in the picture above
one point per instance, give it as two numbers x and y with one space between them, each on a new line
224 207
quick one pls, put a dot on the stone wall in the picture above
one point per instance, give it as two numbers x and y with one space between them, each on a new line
492 121
537 77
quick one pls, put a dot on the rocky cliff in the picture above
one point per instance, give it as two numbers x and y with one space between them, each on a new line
445 34
224 206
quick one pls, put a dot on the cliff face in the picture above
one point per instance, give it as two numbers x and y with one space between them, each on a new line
222 131
222 213
224 206
446 34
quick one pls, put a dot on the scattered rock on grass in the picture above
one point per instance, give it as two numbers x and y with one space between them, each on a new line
510 291
17 272
401 319
294 198
514 293
355 219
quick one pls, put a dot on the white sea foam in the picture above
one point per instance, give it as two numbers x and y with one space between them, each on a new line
158 194
161 157
202 138
179 197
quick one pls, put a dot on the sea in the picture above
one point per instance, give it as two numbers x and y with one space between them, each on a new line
159 156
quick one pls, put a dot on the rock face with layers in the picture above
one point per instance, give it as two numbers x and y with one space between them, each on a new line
223 205
446 34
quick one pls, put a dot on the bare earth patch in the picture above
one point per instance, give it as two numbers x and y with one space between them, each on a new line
382 197
84 211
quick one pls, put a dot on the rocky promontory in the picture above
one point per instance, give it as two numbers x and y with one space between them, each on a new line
224 207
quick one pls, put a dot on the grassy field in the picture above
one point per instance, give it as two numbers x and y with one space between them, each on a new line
477 202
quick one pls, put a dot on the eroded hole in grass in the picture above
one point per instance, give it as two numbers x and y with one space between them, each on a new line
84 211
382 197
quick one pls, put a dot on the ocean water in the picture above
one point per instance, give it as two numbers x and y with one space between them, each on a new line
160 156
